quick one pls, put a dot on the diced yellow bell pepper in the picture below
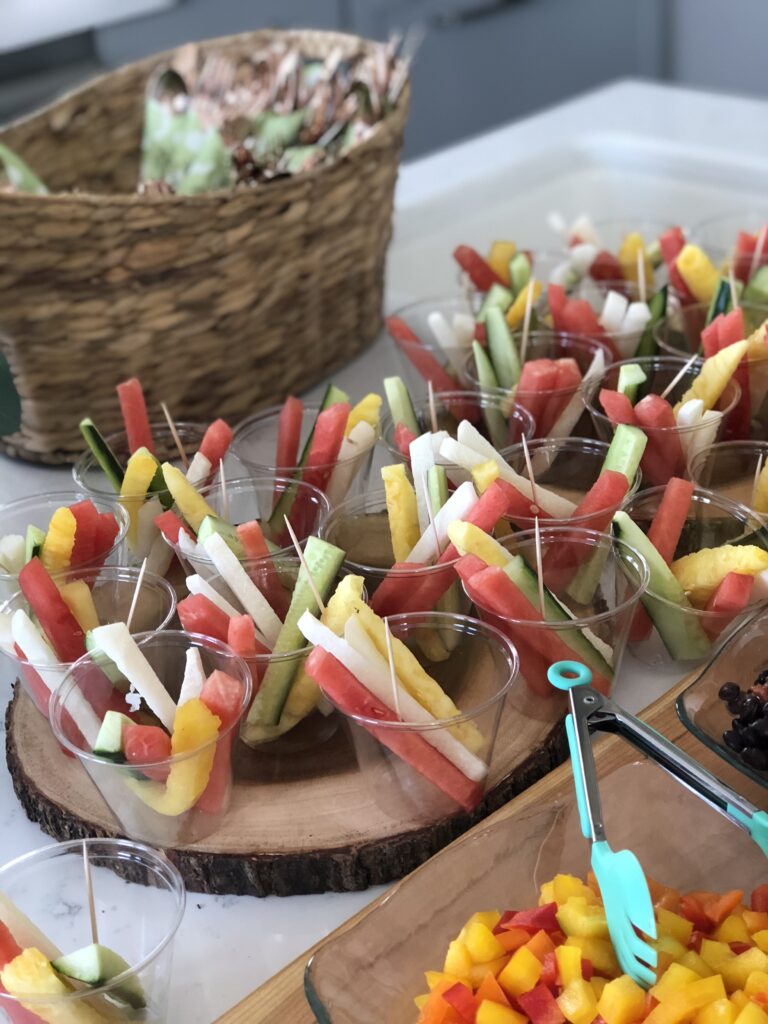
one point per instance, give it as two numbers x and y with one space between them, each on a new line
366 411
692 960
481 944
701 572
489 1012
547 894
478 971
577 917
761 939
739 999
458 962
421 1001
736 970
721 1011
674 925
631 245
666 944
622 1001
77 596
732 929
714 375
599 952
435 978
401 510
521 974
490 918
756 982
498 259
698 272
672 980
577 1002
471 540
598 984
565 886
755 920
568 964
752 1014
516 312
687 1000
56 552
714 953
31 974
483 475
191 504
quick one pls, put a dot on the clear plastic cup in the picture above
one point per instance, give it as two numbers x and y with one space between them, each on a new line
731 469
167 801
451 359
548 407
139 900
679 334
243 500
501 421
669 448
396 755
360 527
37 510
596 581
255 445
113 589
719 233
569 467
712 520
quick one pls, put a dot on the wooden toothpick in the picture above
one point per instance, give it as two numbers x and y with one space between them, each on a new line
135 598
539 566
302 559
432 407
679 376
732 285
392 673
529 466
527 318
175 436
758 471
757 255
89 894
224 492
641 285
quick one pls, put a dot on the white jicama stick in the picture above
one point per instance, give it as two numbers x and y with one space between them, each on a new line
458 454
583 228
195 554
445 336
12 552
6 633
362 437
38 651
197 585
118 645
704 437
160 556
689 415
463 331
458 506
194 676
372 671
562 274
571 414
422 460
199 469
188 545
146 531
582 257
243 587
614 310
637 316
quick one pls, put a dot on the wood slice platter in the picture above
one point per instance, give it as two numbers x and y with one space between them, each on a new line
291 828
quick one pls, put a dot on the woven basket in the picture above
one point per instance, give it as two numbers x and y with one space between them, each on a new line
220 303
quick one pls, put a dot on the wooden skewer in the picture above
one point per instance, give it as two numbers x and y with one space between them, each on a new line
135 598
641 285
224 492
758 471
732 285
89 893
175 436
432 407
535 508
527 318
679 376
302 559
539 567
392 673
757 255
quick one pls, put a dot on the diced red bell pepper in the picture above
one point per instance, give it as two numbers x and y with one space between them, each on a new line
57 621
491 990
663 456
536 919
143 743
198 614
222 694
696 939
758 901
481 274
216 442
670 244
289 434
740 947
241 637
731 597
538 379
617 407
463 1001
540 1006
587 970
606 267
86 533
346 691
549 971
403 438
170 525
691 910
669 518
135 418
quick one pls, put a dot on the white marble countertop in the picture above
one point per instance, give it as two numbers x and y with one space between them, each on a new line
628 149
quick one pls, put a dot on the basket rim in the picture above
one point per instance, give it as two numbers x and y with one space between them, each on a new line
147 64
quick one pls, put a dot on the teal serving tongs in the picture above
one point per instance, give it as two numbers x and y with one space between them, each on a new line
626 897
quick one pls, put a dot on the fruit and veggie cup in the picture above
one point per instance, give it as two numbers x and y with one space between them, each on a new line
160 797
736 235
572 468
97 596
737 470
590 587
670 443
443 328
555 373
716 550
418 767
101 522
139 901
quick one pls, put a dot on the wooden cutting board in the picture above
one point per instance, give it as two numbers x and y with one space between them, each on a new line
282 997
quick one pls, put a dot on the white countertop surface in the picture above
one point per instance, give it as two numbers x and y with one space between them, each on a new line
633 149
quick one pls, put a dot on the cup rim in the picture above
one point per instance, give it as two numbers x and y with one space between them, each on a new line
594 538
175 636
57 499
758 446
129 573
444 620
595 386
150 856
